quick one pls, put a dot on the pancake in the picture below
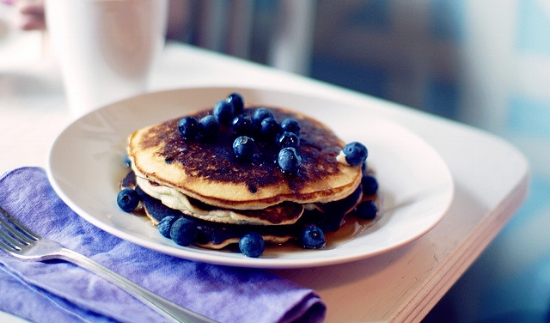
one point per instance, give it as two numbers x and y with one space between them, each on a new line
225 197
214 235
209 172
280 214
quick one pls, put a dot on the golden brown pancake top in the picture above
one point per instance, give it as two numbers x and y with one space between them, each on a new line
209 171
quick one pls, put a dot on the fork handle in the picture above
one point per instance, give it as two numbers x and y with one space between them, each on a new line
168 309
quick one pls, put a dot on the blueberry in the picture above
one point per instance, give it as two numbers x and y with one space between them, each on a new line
237 101
252 244
209 127
356 153
242 125
269 128
366 210
165 225
260 114
291 125
289 161
189 128
313 237
223 110
183 231
127 199
370 185
244 147
288 139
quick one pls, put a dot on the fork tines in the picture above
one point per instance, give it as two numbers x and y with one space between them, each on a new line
13 235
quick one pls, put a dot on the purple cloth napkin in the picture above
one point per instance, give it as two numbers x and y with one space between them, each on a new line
62 292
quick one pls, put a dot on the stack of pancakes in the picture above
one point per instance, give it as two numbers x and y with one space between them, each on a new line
228 197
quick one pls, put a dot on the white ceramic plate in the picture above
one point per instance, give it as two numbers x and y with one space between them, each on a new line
86 164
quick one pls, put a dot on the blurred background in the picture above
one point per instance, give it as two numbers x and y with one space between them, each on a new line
481 62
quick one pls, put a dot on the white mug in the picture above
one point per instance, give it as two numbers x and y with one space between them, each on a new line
106 48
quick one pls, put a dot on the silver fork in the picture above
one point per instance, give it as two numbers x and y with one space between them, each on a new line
22 243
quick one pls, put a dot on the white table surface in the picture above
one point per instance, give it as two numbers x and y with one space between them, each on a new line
491 179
